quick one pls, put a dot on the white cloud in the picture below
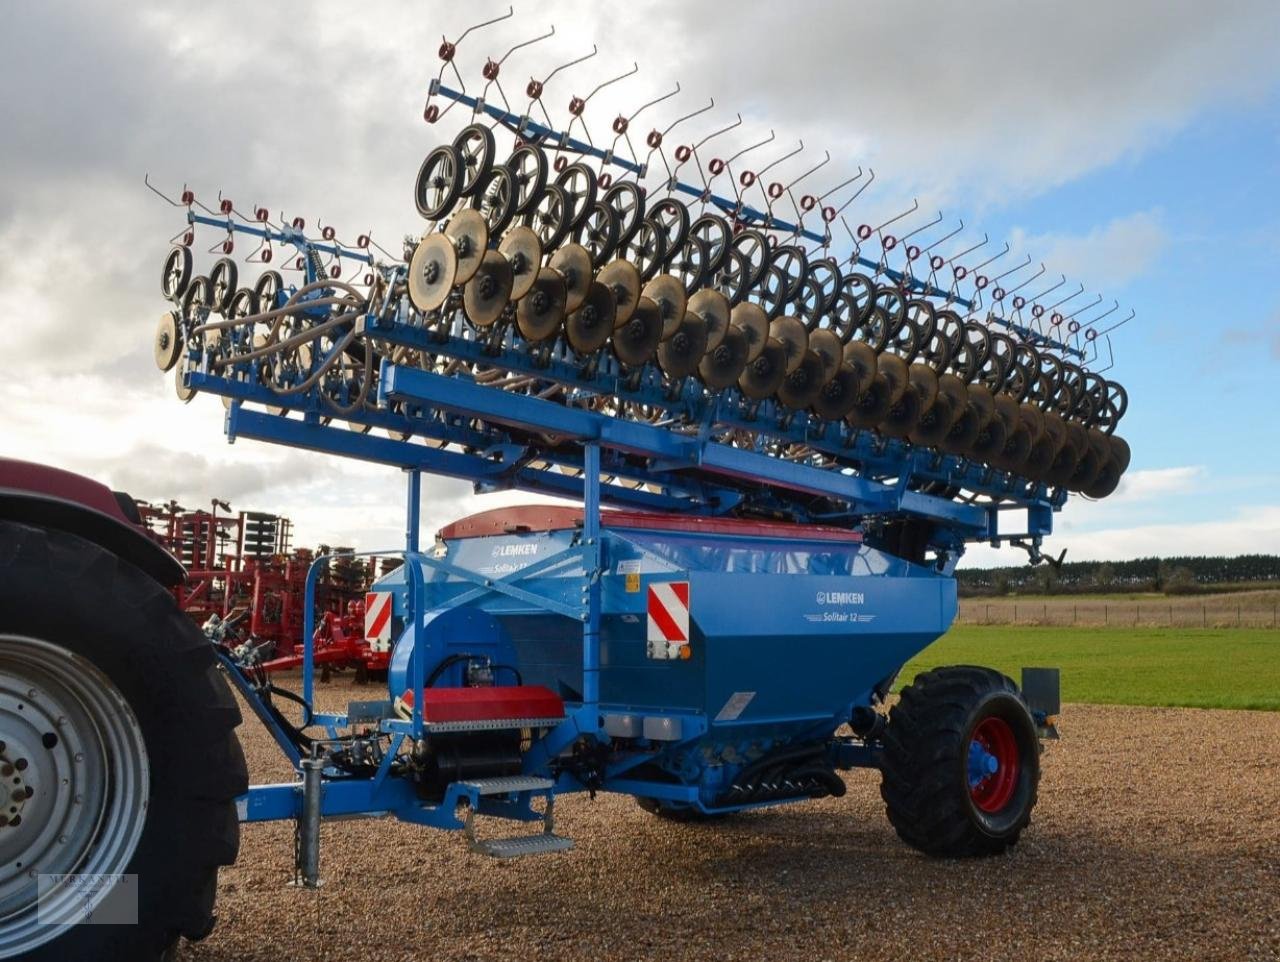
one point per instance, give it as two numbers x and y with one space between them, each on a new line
1152 483
1108 256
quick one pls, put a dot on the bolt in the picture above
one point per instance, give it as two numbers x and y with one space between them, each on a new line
6 769
31 694
540 301
432 272
164 340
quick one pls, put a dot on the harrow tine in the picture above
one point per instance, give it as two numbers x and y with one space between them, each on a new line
493 68
578 105
622 124
656 136
1132 315
535 88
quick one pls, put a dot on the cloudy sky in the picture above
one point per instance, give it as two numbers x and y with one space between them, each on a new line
1134 147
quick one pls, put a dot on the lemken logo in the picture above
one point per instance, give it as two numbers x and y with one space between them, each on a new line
841 598
514 550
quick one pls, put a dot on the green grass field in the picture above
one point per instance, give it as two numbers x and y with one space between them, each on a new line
1189 667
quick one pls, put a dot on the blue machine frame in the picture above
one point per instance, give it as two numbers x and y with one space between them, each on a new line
847 477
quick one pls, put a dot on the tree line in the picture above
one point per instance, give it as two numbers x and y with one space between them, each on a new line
1184 575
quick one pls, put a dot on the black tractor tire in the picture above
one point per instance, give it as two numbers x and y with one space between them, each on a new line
935 800
62 590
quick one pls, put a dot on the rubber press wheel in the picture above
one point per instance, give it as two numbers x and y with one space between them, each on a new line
122 733
961 763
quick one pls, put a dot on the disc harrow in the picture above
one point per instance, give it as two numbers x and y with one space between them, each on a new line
592 280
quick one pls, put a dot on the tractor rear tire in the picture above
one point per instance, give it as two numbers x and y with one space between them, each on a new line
110 692
961 763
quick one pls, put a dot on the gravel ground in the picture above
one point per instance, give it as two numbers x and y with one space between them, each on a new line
1157 836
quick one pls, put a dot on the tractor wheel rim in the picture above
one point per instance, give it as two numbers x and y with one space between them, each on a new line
74 783
994 765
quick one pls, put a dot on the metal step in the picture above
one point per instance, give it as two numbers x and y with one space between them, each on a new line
509 783
522 845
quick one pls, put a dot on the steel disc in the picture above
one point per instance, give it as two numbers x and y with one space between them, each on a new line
623 278
989 444
523 250
754 324
764 373
903 416
488 292
793 335
924 381
713 308
872 404
680 354
574 262
1120 449
668 293
935 422
1074 444
166 346
588 328
964 431
722 365
540 313
859 356
800 387
635 342
1032 419
1056 429
1017 447
896 373
953 389
185 394
983 403
433 270
1039 458
826 344
838 395
470 235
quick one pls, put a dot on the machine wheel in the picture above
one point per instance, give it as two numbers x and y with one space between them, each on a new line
677 813
961 763
122 734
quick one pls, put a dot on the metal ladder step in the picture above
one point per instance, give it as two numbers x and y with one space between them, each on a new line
509 783
522 845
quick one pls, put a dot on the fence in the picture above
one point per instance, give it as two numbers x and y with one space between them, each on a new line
1117 614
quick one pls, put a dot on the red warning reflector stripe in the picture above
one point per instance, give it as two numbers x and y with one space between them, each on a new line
668 607
377 616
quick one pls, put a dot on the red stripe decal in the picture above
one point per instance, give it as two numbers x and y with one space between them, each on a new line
666 624
381 620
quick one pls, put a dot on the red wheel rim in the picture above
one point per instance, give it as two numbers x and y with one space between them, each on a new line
993 745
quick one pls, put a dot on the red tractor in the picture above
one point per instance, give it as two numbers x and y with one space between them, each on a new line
118 751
